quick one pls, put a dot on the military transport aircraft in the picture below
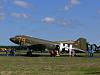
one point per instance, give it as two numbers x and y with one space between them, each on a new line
53 46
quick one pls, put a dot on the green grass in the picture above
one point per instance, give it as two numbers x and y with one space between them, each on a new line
20 65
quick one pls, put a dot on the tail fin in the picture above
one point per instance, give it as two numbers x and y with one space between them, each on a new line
81 43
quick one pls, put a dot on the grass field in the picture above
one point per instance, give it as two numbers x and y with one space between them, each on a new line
45 65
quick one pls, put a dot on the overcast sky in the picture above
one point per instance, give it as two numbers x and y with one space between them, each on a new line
50 19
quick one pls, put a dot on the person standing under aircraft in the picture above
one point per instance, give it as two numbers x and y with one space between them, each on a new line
7 52
12 52
90 51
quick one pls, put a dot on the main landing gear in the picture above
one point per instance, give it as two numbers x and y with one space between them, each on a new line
29 53
54 53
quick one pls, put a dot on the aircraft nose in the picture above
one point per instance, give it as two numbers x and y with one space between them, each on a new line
12 39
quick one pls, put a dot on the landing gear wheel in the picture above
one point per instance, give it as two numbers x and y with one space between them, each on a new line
53 53
29 53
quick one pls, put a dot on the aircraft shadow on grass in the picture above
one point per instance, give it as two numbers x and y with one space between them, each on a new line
93 73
